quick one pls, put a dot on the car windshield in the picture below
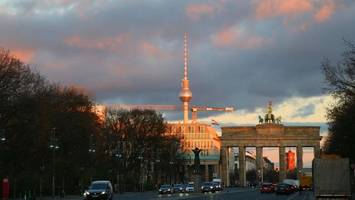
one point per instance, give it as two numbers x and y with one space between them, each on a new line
267 184
165 186
207 183
178 185
190 185
98 186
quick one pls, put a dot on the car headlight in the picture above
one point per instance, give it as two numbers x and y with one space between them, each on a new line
86 193
103 192
169 189
211 187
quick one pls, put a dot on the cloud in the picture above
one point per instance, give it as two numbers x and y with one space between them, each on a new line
226 37
196 11
24 55
152 50
325 11
100 43
239 38
305 111
295 109
272 8
130 52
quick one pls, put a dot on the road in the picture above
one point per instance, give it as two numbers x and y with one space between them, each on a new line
234 193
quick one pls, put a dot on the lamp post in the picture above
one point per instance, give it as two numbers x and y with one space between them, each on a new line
171 163
140 158
92 151
40 179
53 145
118 156
2 135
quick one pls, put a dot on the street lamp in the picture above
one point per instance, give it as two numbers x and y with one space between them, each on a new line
171 169
118 156
92 151
140 158
2 135
53 145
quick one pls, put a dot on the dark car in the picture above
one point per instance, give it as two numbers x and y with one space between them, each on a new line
165 189
178 188
267 188
283 188
217 186
99 190
208 187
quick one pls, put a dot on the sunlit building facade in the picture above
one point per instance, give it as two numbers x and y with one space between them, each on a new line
204 137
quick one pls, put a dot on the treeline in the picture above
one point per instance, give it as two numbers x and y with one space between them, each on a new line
49 130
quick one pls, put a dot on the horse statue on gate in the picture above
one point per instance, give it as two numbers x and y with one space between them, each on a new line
261 120
278 120
269 118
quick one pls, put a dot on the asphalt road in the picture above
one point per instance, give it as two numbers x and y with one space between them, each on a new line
235 193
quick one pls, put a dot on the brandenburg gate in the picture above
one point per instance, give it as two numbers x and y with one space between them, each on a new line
270 133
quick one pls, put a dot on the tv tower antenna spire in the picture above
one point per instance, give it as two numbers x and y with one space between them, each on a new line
185 92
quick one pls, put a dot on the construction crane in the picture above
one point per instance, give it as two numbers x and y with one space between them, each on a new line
195 109
142 107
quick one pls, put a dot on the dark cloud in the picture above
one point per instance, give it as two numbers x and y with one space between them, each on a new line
305 111
130 52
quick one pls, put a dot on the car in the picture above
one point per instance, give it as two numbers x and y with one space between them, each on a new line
178 188
190 187
99 190
283 188
208 187
165 189
267 188
217 186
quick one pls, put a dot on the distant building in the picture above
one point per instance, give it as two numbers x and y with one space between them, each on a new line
268 165
290 160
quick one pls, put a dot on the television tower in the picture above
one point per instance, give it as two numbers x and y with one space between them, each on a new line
185 92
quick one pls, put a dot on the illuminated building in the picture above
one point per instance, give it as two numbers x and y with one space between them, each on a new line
290 160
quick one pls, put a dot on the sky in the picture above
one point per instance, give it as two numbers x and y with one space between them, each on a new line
241 53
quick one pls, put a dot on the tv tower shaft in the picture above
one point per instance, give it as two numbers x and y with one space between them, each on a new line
185 93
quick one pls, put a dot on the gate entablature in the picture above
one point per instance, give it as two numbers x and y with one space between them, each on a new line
270 135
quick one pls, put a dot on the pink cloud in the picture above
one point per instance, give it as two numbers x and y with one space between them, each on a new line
272 8
102 43
225 37
152 50
325 12
232 37
24 55
195 11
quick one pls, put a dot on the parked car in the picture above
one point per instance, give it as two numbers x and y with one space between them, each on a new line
165 189
267 188
207 187
283 188
99 190
190 188
178 188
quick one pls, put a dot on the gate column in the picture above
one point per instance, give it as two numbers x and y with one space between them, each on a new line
241 156
224 166
299 161
259 163
282 160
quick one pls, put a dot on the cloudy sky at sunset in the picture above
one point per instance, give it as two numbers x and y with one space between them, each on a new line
242 53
